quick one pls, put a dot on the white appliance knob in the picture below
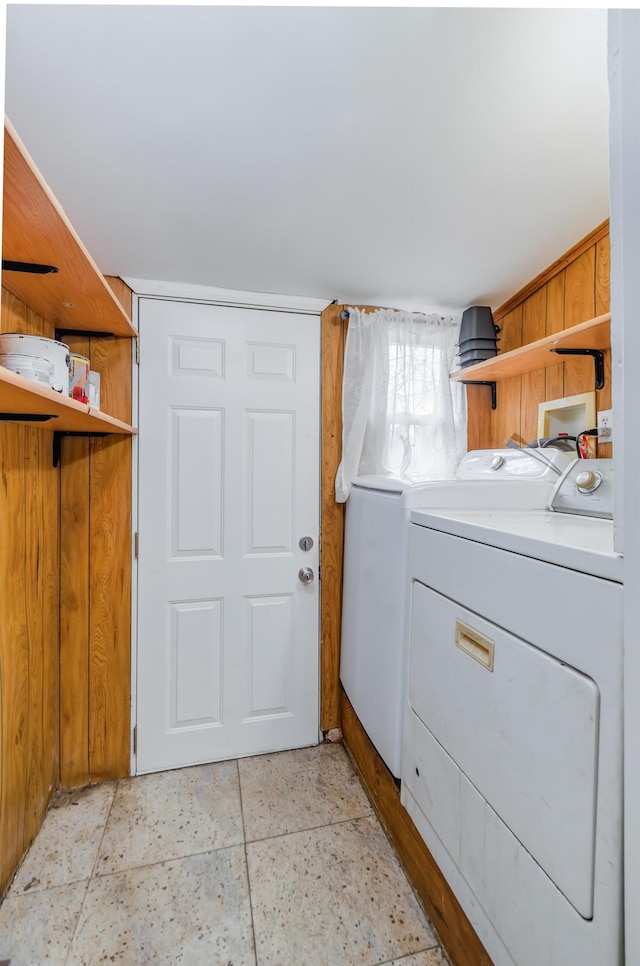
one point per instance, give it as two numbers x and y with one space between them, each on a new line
496 462
588 480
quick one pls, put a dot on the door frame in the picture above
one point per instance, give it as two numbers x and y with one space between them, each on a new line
185 292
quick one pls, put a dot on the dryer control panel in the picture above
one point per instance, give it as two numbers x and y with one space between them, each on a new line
586 489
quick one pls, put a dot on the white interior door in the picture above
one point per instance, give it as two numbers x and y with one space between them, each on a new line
228 486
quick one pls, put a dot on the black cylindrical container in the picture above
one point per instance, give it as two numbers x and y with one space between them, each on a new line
477 323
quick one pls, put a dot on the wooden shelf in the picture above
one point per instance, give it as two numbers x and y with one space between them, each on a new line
35 229
24 397
593 334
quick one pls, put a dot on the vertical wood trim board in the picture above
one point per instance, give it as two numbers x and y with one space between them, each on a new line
333 340
332 515
572 290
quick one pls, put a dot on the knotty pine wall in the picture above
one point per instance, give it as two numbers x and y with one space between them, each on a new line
572 290
65 558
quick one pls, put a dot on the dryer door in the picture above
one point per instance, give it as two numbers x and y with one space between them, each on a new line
521 725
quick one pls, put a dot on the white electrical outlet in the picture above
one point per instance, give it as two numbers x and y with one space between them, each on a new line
605 426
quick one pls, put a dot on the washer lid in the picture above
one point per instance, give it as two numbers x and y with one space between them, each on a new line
381 481
546 463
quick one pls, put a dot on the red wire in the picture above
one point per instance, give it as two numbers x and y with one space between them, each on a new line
583 446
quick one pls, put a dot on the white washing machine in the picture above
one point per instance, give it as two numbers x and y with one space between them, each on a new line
374 603
373 608
512 765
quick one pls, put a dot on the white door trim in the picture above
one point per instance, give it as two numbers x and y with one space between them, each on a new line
133 765
185 291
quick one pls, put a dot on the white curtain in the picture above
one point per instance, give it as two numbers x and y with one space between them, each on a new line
402 416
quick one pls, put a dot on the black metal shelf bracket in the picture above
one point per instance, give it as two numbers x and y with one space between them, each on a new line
26 417
33 268
82 332
483 382
598 360
57 442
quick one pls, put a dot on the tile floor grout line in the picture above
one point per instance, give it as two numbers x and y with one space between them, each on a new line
246 865
417 952
174 858
104 830
310 828
91 874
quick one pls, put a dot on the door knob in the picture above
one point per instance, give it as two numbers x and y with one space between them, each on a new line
305 575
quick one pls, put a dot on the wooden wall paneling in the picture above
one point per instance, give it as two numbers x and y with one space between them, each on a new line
50 550
110 564
41 562
458 937
579 305
110 609
110 584
74 602
576 288
478 417
603 302
332 517
96 577
534 319
603 273
35 517
14 651
556 268
555 323
505 419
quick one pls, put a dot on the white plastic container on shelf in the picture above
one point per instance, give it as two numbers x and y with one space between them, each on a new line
38 370
37 347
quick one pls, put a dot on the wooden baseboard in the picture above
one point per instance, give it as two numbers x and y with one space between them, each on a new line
454 929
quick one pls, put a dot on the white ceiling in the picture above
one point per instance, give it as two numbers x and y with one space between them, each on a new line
419 157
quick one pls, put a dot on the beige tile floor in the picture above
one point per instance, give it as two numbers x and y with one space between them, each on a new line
271 861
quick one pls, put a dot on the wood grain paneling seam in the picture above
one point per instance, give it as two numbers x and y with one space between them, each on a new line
552 270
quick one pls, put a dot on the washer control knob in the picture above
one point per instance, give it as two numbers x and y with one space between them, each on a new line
496 462
588 480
